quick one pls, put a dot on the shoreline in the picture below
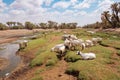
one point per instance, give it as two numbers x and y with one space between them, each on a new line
8 36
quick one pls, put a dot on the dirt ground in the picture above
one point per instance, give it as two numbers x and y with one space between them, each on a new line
11 35
58 71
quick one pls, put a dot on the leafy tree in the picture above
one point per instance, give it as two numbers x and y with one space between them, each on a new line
3 27
52 24
43 25
29 25
114 18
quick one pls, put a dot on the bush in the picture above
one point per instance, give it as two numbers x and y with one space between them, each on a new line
3 27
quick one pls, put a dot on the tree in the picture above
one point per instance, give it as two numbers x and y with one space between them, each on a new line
113 19
52 24
8 23
29 25
43 25
3 27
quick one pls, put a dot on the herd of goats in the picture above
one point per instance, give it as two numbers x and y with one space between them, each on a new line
71 42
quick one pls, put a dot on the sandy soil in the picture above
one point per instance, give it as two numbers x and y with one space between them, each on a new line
11 35
57 72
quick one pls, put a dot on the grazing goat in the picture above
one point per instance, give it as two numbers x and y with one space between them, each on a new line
76 43
60 48
92 32
96 40
73 37
65 36
68 36
86 56
88 43
67 44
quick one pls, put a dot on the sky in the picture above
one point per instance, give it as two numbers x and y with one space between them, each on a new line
81 11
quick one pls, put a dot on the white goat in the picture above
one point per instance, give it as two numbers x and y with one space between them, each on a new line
73 37
75 43
86 56
65 36
88 43
96 40
60 48
67 44
23 44
92 32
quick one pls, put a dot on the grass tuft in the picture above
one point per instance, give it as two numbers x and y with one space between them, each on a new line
72 57
37 78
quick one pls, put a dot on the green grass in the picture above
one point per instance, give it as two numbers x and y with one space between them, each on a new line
37 78
39 71
118 52
71 57
43 55
94 69
97 69
111 43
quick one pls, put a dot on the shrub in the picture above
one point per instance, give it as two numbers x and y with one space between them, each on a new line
3 27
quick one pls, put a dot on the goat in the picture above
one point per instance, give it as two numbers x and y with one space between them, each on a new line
86 56
96 40
60 49
88 43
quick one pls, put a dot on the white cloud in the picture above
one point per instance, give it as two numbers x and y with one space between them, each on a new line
2 6
103 6
16 12
48 2
61 4
73 2
26 4
84 4
81 13
68 13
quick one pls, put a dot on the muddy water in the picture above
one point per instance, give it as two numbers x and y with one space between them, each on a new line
9 52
